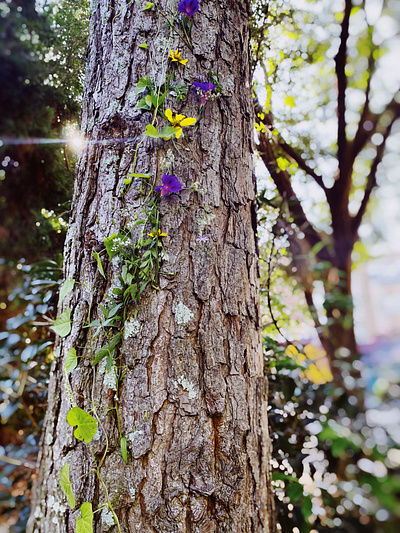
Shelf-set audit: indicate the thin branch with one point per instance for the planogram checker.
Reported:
(363, 135)
(340, 62)
(294, 156)
(283, 183)
(371, 180)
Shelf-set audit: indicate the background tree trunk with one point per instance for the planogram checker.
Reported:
(193, 398)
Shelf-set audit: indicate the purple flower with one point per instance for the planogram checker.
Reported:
(202, 238)
(204, 88)
(188, 7)
(170, 184)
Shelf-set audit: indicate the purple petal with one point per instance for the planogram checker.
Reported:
(188, 7)
(170, 183)
(205, 86)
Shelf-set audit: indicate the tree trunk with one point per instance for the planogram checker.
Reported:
(192, 399)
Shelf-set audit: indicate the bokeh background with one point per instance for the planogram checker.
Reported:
(335, 421)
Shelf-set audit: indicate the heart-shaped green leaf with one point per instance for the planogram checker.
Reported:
(85, 524)
(70, 361)
(87, 425)
(151, 131)
(67, 486)
(62, 326)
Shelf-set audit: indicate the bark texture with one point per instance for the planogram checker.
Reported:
(193, 400)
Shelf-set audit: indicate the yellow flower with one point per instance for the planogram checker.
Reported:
(179, 121)
(177, 56)
(156, 234)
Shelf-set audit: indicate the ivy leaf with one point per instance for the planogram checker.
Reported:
(99, 265)
(67, 486)
(70, 361)
(108, 243)
(124, 449)
(62, 326)
(67, 287)
(87, 425)
(85, 524)
(151, 131)
(149, 5)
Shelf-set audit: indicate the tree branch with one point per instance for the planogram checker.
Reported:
(371, 180)
(340, 62)
(294, 156)
(283, 183)
(362, 134)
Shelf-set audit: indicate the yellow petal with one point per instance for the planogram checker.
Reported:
(178, 118)
(163, 234)
(168, 114)
(178, 133)
(171, 54)
(183, 61)
(187, 121)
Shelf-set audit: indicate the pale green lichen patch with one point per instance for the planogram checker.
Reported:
(187, 386)
(110, 377)
(132, 328)
(107, 518)
(183, 314)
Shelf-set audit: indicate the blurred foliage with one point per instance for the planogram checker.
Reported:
(41, 59)
(25, 354)
(335, 465)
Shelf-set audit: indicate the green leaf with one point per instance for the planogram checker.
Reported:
(149, 101)
(142, 104)
(99, 265)
(167, 132)
(143, 46)
(108, 243)
(108, 349)
(124, 449)
(149, 5)
(67, 486)
(87, 425)
(306, 507)
(143, 84)
(127, 181)
(67, 287)
(294, 491)
(151, 131)
(62, 326)
(153, 98)
(135, 175)
(70, 361)
(85, 524)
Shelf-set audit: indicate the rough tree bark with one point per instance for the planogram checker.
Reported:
(193, 398)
